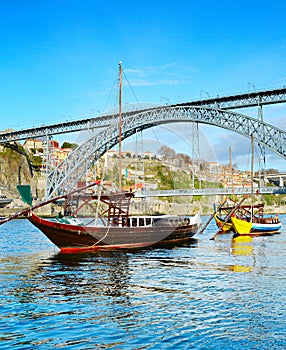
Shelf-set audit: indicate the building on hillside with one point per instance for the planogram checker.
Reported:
(53, 144)
(67, 150)
(212, 167)
(38, 148)
(33, 144)
(148, 155)
(111, 153)
(59, 155)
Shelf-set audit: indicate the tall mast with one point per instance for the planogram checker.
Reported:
(120, 127)
(252, 174)
(231, 170)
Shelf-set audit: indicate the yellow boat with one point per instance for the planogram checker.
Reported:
(241, 226)
(258, 227)
(225, 227)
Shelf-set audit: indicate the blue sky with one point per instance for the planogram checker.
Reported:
(58, 59)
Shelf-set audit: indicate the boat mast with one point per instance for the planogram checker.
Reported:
(120, 126)
(231, 170)
(252, 174)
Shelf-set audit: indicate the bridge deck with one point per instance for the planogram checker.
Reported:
(250, 99)
(210, 192)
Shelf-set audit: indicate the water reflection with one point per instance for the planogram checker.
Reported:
(242, 246)
(167, 298)
(101, 273)
(77, 276)
(89, 277)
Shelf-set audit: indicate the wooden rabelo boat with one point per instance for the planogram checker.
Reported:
(258, 226)
(250, 219)
(222, 225)
(116, 231)
(244, 212)
(114, 228)
(109, 227)
(246, 219)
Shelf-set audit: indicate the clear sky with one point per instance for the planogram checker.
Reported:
(59, 59)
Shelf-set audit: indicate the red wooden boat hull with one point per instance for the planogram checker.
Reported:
(73, 238)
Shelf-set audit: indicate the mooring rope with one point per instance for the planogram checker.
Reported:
(96, 243)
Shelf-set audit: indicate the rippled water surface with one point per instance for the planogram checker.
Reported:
(221, 294)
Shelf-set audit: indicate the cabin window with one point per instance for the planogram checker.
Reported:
(134, 222)
(148, 221)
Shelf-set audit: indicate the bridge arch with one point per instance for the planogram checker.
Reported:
(68, 173)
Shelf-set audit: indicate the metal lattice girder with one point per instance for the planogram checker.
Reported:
(60, 128)
(82, 158)
(67, 174)
(251, 99)
(227, 102)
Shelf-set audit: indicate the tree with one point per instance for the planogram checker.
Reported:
(185, 158)
(37, 162)
(167, 152)
(272, 171)
(69, 145)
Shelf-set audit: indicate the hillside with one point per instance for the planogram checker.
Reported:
(16, 169)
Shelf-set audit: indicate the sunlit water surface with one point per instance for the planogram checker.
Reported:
(221, 294)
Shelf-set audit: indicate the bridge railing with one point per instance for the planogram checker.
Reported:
(209, 192)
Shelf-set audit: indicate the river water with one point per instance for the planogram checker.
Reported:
(221, 294)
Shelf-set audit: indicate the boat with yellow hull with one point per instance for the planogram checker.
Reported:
(245, 219)
(225, 227)
(266, 226)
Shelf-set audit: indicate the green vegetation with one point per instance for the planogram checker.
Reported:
(165, 178)
(37, 162)
(274, 199)
(69, 145)
(17, 165)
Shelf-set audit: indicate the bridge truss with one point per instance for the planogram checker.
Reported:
(73, 168)
(259, 98)
(211, 111)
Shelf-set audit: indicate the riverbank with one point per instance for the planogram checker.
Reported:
(204, 206)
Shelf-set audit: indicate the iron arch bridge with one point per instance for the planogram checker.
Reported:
(73, 168)
(244, 100)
